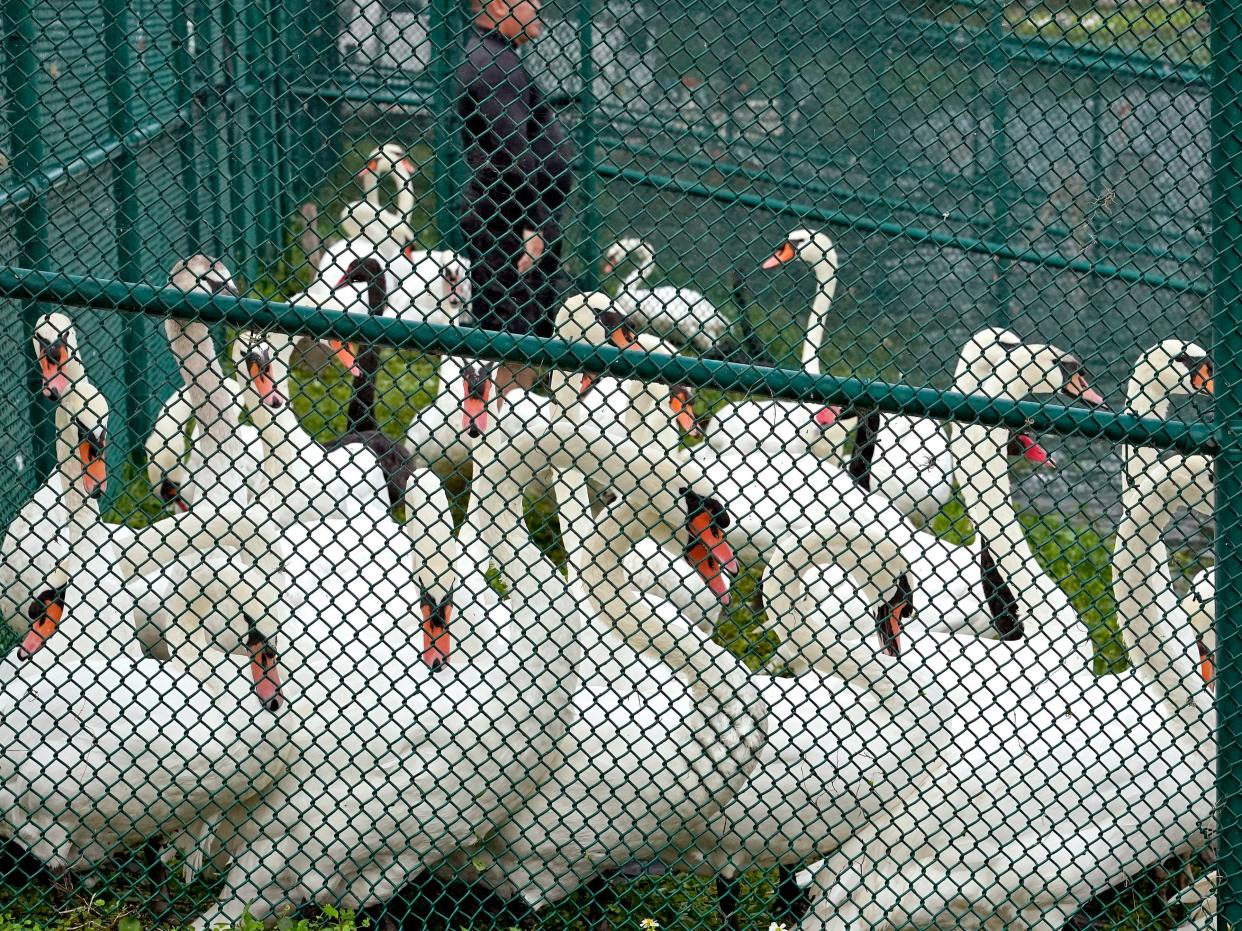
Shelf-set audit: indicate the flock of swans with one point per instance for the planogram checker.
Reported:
(281, 682)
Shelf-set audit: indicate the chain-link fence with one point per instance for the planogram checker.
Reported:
(625, 465)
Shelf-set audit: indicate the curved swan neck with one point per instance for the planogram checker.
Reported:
(1145, 397)
(825, 269)
(1144, 609)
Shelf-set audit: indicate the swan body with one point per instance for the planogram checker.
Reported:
(412, 781)
(365, 219)
(680, 313)
(1040, 735)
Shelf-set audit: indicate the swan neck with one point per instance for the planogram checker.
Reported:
(1143, 399)
(1140, 568)
(817, 324)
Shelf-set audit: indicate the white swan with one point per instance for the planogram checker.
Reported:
(644, 759)
(679, 313)
(103, 748)
(956, 588)
(221, 475)
(432, 285)
(417, 758)
(314, 482)
(365, 219)
(1043, 610)
(33, 544)
(788, 426)
(1166, 370)
(1060, 784)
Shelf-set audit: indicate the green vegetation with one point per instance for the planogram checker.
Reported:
(1175, 31)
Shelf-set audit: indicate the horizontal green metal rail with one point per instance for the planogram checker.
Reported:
(790, 384)
(616, 140)
(1108, 64)
(974, 244)
(143, 134)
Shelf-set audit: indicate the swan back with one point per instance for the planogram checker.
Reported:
(626, 248)
(432, 285)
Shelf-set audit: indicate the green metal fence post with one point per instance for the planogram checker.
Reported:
(183, 66)
(211, 69)
(281, 29)
(325, 62)
(257, 89)
(21, 76)
(999, 206)
(588, 140)
(1226, 19)
(240, 124)
(444, 41)
(126, 218)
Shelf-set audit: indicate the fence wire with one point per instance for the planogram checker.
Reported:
(617, 465)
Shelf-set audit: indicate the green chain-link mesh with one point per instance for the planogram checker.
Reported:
(619, 465)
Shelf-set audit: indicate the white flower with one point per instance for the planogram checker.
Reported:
(649, 924)
(775, 927)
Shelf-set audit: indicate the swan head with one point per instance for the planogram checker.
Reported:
(477, 383)
(88, 411)
(623, 249)
(264, 667)
(45, 611)
(166, 471)
(591, 317)
(436, 617)
(996, 363)
(1173, 367)
(389, 157)
(256, 363)
(446, 275)
(1023, 446)
(681, 405)
(56, 348)
(813, 247)
(706, 549)
(363, 270)
(202, 273)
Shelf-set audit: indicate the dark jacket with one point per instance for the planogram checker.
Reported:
(518, 154)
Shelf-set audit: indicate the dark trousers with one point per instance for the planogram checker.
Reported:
(503, 299)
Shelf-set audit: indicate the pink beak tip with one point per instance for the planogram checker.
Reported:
(827, 416)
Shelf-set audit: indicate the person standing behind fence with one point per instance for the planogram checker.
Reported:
(519, 161)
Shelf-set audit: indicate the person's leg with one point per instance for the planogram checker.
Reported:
(538, 297)
(499, 294)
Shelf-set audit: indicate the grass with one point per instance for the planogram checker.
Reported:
(116, 898)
